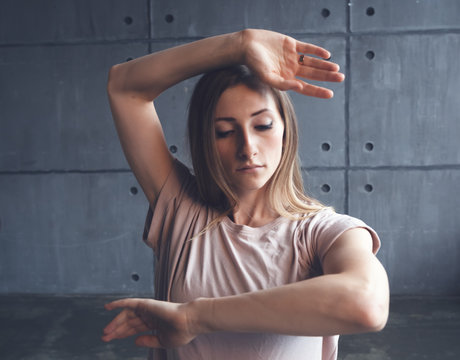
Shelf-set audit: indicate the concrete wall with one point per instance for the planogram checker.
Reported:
(385, 149)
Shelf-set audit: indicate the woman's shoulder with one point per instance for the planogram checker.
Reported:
(180, 183)
(326, 225)
(328, 221)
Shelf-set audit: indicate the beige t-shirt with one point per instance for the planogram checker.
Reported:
(232, 259)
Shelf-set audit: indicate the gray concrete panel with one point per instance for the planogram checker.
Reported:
(404, 100)
(389, 15)
(178, 18)
(415, 213)
(30, 21)
(322, 122)
(73, 233)
(54, 110)
(327, 186)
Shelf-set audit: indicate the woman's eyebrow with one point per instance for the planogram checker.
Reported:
(260, 112)
(233, 119)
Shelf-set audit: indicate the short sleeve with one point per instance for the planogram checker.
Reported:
(327, 226)
(161, 212)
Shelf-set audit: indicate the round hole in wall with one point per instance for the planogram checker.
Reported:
(325, 146)
(368, 187)
(370, 54)
(325, 13)
(369, 146)
(133, 190)
(135, 277)
(169, 18)
(173, 149)
(128, 20)
(370, 11)
(325, 188)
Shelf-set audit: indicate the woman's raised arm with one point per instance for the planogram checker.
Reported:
(134, 85)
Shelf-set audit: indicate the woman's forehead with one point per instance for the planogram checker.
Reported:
(244, 101)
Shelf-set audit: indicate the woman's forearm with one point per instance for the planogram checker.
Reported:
(325, 305)
(150, 75)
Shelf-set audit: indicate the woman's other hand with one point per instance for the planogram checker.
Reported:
(170, 323)
(275, 59)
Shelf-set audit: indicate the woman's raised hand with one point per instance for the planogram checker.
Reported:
(275, 59)
(169, 322)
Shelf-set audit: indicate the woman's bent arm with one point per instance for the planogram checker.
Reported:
(133, 85)
(351, 297)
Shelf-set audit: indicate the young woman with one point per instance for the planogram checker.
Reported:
(248, 267)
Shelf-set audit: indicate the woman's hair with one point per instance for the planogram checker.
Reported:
(285, 187)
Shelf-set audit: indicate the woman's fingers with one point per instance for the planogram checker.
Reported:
(129, 328)
(117, 321)
(307, 48)
(124, 332)
(122, 303)
(168, 320)
(126, 323)
(281, 83)
(315, 91)
(300, 86)
(319, 64)
(307, 72)
(150, 341)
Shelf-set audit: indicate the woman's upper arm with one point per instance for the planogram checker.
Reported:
(352, 252)
(351, 255)
(141, 137)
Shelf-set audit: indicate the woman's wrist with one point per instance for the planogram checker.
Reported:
(200, 314)
(241, 40)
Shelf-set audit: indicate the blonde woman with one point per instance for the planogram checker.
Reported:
(248, 266)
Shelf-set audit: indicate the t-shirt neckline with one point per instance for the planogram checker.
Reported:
(249, 229)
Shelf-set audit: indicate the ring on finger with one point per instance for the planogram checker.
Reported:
(301, 59)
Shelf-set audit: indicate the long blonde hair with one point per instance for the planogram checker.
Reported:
(285, 187)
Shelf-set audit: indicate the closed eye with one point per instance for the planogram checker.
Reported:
(223, 134)
(264, 127)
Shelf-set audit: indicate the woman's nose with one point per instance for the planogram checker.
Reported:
(247, 147)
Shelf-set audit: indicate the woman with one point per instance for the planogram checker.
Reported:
(248, 267)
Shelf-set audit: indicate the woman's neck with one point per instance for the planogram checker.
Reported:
(253, 210)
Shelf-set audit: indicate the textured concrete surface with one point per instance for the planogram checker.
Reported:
(398, 15)
(90, 239)
(327, 186)
(29, 21)
(54, 109)
(418, 329)
(178, 18)
(404, 101)
(69, 221)
(65, 328)
(421, 239)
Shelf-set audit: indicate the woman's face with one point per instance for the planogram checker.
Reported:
(249, 137)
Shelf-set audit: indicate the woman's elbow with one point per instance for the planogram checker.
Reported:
(374, 318)
(113, 81)
(372, 312)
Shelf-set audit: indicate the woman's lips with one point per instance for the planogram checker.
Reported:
(249, 168)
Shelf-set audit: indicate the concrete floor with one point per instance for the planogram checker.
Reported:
(64, 328)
